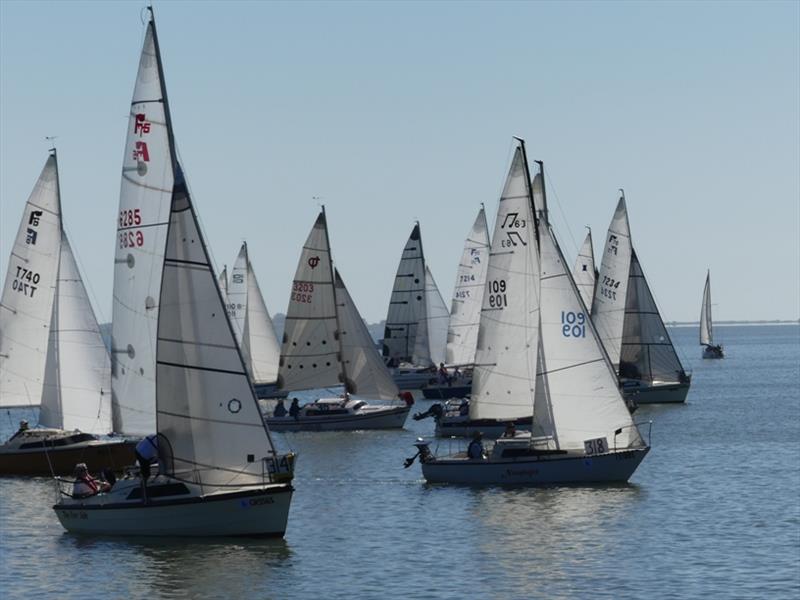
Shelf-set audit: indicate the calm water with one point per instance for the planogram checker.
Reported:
(713, 511)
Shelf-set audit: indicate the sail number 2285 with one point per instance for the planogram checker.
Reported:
(497, 293)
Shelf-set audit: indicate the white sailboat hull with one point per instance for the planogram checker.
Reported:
(614, 467)
(257, 512)
(413, 379)
(372, 417)
(658, 393)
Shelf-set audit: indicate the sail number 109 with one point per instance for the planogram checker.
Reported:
(573, 324)
(497, 293)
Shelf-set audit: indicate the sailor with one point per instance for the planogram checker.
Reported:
(511, 430)
(146, 455)
(85, 485)
(280, 409)
(475, 448)
(294, 408)
(444, 376)
(23, 427)
(406, 397)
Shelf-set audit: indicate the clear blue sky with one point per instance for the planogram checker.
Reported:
(392, 112)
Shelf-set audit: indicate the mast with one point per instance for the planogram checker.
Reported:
(338, 335)
(530, 189)
(54, 320)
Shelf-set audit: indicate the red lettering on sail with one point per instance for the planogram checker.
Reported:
(140, 152)
(141, 125)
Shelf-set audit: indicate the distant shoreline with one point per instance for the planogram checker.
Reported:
(765, 322)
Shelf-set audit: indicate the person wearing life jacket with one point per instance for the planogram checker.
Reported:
(406, 397)
(85, 485)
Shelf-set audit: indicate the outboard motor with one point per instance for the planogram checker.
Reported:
(423, 451)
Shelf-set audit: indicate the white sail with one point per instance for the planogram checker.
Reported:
(367, 375)
(209, 423)
(465, 310)
(706, 335)
(584, 272)
(252, 322)
(210, 427)
(407, 306)
(77, 390)
(431, 342)
(27, 302)
(148, 179)
(583, 398)
(223, 283)
(608, 308)
(508, 337)
(310, 349)
(647, 351)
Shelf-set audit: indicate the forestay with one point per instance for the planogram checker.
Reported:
(210, 427)
(310, 349)
(431, 341)
(27, 302)
(608, 308)
(77, 389)
(367, 375)
(647, 351)
(148, 178)
(706, 335)
(465, 310)
(508, 335)
(407, 306)
(252, 322)
(584, 272)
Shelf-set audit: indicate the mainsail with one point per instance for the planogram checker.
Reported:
(465, 311)
(208, 420)
(26, 307)
(508, 335)
(252, 322)
(311, 348)
(584, 273)
(149, 182)
(407, 306)
(608, 308)
(706, 334)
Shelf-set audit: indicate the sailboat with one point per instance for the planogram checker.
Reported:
(585, 273)
(326, 343)
(630, 325)
(710, 349)
(51, 353)
(253, 326)
(415, 335)
(219, 472)
(538, 351)
(465, 308)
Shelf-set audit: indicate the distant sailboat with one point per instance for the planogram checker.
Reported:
(465, 310)
(253, 326)
(533, 315)
(219, 472)
(415, 335)
(585, 273)
(51, 353)
(710, 349)
(326, 344)
(630, 325)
